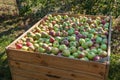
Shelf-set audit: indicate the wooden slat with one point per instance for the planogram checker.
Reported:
(58, 62)
(18, 77)
(54, 71)
(35, 75)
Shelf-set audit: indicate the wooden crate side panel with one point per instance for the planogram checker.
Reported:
(35, 75)
(58, 62)
(18, 77)
(54, 71)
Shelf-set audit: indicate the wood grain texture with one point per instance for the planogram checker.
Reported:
(53, 71)
(18, 77)
(58, 62)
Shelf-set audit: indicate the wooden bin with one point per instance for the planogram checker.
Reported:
(35, 66)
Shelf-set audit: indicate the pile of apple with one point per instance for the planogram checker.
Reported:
(82, 37)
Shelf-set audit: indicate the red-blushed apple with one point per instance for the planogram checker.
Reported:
(80, 48)
(53, 22)
(81, 55)
(103, 22)
(96, 58)
(66, 42)
(64, 33)
(45, 46)
(38, 29)
(76, 32)
(52, 33)
(31, 48)
(58, 33)
(52, 39)
(29, 44)
(18, 45)
(29, 39)
(59, 54)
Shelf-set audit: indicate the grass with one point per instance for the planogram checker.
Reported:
(12, 26)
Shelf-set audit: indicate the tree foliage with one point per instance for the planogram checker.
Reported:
(93, 7)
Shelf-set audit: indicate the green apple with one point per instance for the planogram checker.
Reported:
(103, 54)
(98, 39)
(66, 53)
(106, 25)
(89, 43)
(55, 50)
(72, 43)
(75, 54)
(62, 47)
(71, 56)
(40, 44)
(92, 31)
(73, 49)
(99, 51)
(31, 34)
(41, 50)
(72, 38)
(91, 55)
(85, 33)
(84, 59)
(24, 48)
(81, 41)
(56, 44)
(103, 46)
(36, 45)
(71, 31)
(58, 38)
(38, 29)
(84, 45)
(104, 40)
(90, 36)
(94, 50)
(44, 34)
(87, 39)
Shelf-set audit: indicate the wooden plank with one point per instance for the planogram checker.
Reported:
(54, 71)
(35, 75)
(18, 77)
(58, 62)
